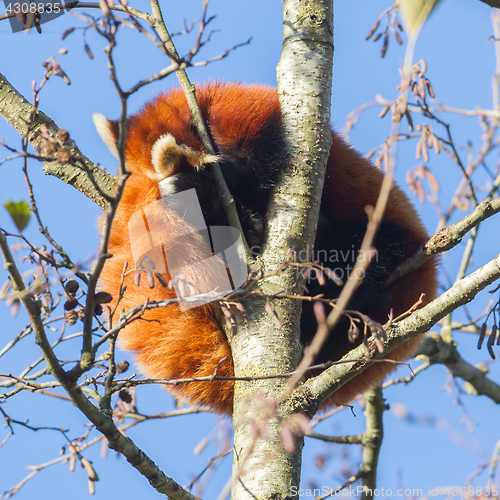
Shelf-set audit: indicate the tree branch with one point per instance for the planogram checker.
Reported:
(16, 110)
(447, 238)
(372, 439)
(90, 5)
(439, 351)
(317, 389)
(157, 22)
(104, 424)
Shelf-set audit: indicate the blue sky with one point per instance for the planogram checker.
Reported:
(460, 64)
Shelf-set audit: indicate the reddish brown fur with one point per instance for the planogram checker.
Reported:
(172, 344)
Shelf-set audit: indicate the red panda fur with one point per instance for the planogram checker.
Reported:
(172, 344)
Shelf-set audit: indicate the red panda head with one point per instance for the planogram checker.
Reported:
(167, 157)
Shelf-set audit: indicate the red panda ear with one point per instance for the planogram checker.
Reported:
(168, 157)
(105, 129)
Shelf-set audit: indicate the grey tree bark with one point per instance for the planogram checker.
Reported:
(263, 468)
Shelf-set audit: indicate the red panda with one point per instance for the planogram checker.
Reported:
(245, 124)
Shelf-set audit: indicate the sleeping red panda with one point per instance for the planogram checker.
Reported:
(245, 124)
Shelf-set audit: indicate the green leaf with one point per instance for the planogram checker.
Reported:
(20, 213)
(415, 12)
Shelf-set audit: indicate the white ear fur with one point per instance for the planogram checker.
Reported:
(166, 153)
(103, 128)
